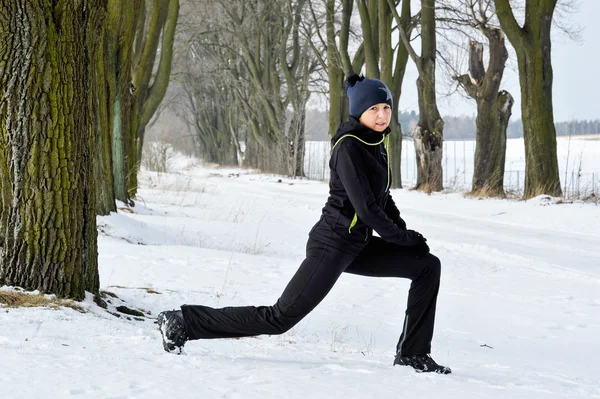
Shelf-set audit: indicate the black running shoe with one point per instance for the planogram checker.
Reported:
(422, 364)
(172, 328)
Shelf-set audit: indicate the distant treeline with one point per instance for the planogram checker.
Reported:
(455, 127)
(463, 127)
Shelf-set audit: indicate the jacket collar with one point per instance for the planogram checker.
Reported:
(354, 127)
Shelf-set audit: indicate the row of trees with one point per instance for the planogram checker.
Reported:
(79, 82)
(455, 127)
(464, 127)
(81, 79)
(244, 79)
(578, 127)
(250, 66)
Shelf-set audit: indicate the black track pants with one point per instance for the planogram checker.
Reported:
(311, 283)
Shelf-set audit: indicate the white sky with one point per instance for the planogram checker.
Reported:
(576, 88)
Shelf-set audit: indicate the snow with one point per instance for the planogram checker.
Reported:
(518, 310)
(577, 156)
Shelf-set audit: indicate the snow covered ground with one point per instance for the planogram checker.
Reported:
(577, 156)
(518, 310)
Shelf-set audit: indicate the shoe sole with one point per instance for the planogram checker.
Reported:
(441, 370)
(167, 346)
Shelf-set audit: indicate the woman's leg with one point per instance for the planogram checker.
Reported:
(311, 283)
(382, 259)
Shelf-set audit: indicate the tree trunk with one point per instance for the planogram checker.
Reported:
(533, 47)
(47, 146)
(148, 96)
(130, 51)
(336, 99)
(539, 132)
(393, 79)
(120, 35)
(105, 194)
(490, 150)
(376, 22)
(493, 113)
(335, 73)
(369, 18)
(430, 128)
(338, 63)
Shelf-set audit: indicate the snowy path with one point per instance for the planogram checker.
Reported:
(518, 311)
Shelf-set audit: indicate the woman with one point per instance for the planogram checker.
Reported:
(341, 241)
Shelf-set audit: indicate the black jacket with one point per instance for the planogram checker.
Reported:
(359, 198)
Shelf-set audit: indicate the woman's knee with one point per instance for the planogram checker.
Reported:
(434, 265)
(286, 317)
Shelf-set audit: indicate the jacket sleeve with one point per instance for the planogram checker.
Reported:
(394, 213)
(361, 197)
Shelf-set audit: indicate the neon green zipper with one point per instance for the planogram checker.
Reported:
(385, 141)
(354, 220)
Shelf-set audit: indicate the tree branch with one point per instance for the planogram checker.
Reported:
(465, 82)
(411, 51)
(509, 24)
(476, 68)
(159, 87)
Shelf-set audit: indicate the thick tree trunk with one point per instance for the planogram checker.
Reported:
(428, 136)
(493, 113)
(539, 132)
(130, 52)
(338, 63)
(47, 146)
(121, 147)
(533, 47)
(336, 99)
(490, 151)
(394, 81)
(105, 194)
(429, 133)
(118, 52)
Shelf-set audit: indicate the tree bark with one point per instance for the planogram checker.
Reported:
(335, 69)
(105, 193)
(429, 133)
(149, 96)
(490, 152)
(394, 80)
(493, 113)
(47, 145)
(119, 45)
(130, 48)
(533, 47)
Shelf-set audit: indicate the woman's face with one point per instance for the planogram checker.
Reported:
(377, 117)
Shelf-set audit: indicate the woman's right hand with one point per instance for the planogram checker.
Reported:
(420, 249)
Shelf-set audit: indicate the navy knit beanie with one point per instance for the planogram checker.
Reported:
(363, 93)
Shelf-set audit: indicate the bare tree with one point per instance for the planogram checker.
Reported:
(429, 132)
(333, 36)
(207, 76)
(385, 62)
(532, 44)
(266, 65)
(133, 78)
(374, 50)
(494, 107)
